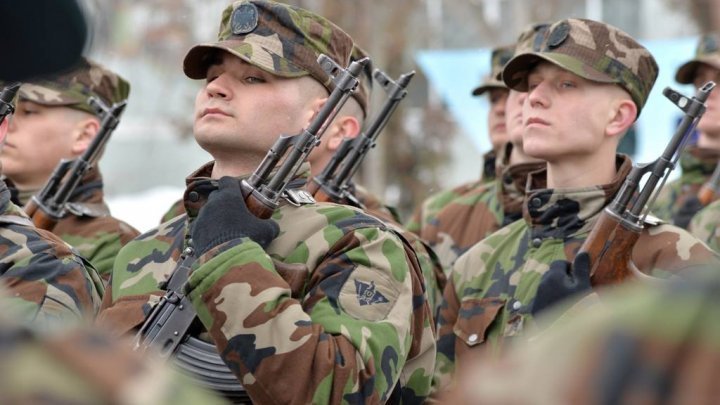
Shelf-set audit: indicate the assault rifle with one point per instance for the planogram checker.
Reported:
(172, 324)
(333, 183)
(611, 240)
(49, 205)
(262, 191)
(7, 95)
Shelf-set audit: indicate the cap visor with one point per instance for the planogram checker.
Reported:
(487, 86)
(198, 57)
(686, 72)
(516, 71)
(46, 95)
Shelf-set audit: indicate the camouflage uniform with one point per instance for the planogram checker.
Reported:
(334, 309)
(72, 368)
(49, 284)
(704, 225)
(426, 213)
(431, 269)
(477, 212)
(429, 262)
(697, 166)
(490, 292)
(311, 283)
(88, 225)
(628, 348)
(491, 288)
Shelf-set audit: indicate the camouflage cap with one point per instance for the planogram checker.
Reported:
(278, 38)
(74, 88)
(530, 39)
(592, 50)
(499, 57)
(706, 53)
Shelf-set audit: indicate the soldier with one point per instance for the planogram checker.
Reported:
(586, 86)
(347, 125)
(677, 200)
(475, 212)
(627, 348)
(54, 121)
(320, 304)
(497, 95)
(49, 285)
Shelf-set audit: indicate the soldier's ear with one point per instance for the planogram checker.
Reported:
(344, 126)
(84, 133)
(621, 117)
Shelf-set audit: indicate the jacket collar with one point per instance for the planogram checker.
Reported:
(564, 213)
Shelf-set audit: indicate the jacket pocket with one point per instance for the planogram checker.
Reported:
(475, 318)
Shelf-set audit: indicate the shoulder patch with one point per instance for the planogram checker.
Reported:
(368, 294)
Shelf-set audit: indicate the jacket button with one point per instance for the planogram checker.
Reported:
(537, 242)
(473, 338)
(516, 305)
(194, 196)
(535, 202)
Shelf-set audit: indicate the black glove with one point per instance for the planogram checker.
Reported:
(225, 217)
(686, 213)
(559, 282)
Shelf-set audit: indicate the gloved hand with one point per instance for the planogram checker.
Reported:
(686, 212)
(559, 282)
(225, 217)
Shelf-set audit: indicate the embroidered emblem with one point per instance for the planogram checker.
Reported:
(367, 294)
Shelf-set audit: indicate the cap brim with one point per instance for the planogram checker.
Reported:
(516, 71)
(686, 73)
(487, 86)
(198, 58)
(47, 95)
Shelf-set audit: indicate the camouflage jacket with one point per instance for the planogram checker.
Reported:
(474, 213)
(48, 283)
(89, 227)
(697, 166)
(336, 303)
(429, 262)
(428, 209)
(628, 348)
(73, 368)
(491, 289)
(704, 225)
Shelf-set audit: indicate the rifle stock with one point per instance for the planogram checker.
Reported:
(609, 246)
(617, 230)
